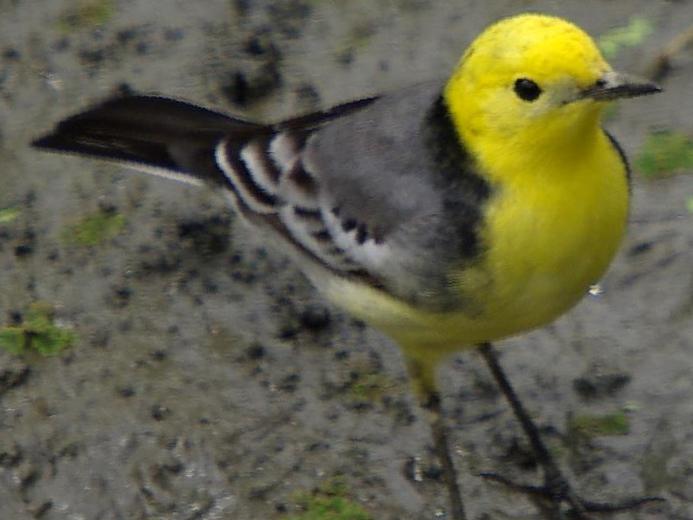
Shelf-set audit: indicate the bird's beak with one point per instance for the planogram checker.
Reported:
(615, 85)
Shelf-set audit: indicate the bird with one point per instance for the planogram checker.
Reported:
(448, 214)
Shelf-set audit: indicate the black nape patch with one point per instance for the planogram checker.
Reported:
(464, 191)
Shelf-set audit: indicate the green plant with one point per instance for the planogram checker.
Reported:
(8, 215)
(96, 228)
(87, 13)
(665, 153)
(632, 34)
(329, 502)
(607, 425)
(37, 332)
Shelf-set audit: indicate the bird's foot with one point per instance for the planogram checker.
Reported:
(556, 492)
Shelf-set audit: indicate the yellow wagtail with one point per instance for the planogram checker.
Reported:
(448, 214)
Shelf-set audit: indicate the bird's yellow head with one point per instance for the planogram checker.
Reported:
(533, 79)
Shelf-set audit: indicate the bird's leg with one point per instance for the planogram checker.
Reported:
(554, 482)
(556, 488)
(423, 379)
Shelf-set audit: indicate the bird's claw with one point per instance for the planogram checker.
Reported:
(559, 492)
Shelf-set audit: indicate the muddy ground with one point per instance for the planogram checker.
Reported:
(208, 380)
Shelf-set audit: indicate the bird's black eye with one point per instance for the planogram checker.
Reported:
(526, 89)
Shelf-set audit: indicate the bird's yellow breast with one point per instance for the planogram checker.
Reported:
(548, 233)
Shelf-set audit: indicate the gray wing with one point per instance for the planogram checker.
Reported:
(398, 194)
(386, 195)
(371, 190)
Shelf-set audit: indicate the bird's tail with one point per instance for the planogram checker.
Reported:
(157, 135)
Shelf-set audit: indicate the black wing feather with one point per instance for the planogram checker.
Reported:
(152, 131)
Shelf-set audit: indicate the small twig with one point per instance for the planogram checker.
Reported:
(661, 66)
